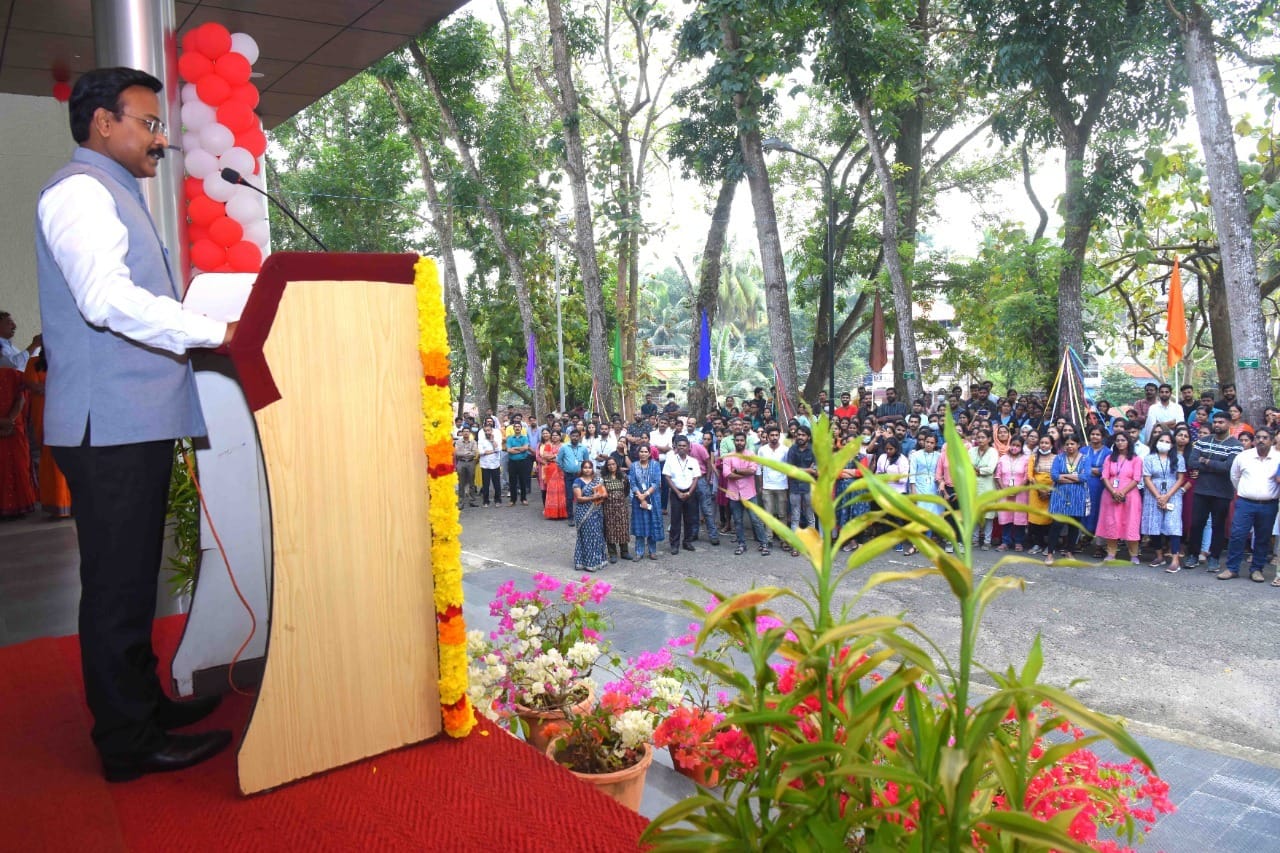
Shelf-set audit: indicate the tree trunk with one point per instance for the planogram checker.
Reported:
(906, 337)
(708, 295)
(1231, 215)
(1077, 222)
(515, 268)
(442, 220)
(584, 229)
(1224, 348)
(777, 302)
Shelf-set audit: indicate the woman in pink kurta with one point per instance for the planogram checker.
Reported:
(1121, 514)
(1011, 471)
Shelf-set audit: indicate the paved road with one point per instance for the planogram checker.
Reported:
(1185, 657)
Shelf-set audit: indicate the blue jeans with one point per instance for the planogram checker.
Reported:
(801, 512)
(1256, 516)
(706, 496)
(739, 524)
(1012, 535)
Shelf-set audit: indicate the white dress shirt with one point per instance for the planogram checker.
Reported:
(1254, 476)
(11, 356)
(1160, 413)
(682, 471)
(89, 242)
(775, 480)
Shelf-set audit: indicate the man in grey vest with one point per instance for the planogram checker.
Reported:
(119, 392)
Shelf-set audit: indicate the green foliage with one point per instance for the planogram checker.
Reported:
(182, 518)
(1118, 388)
(828, 751)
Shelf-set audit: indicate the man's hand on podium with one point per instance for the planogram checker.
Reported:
(231, 332)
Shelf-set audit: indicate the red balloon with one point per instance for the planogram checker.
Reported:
(225, 268)
(62, 91)
(254, 141)
(245, 257)
(246, 94)
(194, 66)
(213, 90)
(225, 231)
(190, 40)
(214, 40)
(196, 233)
(236, 115)
(192, 187)
(208, 255)
(202, 211)
(233, 68)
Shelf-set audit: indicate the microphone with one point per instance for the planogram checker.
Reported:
(231, 176)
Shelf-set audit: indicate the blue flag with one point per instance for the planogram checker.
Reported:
(531, 363)
(704, 349)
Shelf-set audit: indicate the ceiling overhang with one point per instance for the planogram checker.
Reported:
(308, 47)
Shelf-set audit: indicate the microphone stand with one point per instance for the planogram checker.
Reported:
(231, 176)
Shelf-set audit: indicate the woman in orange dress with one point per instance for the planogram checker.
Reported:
(551, 478)
(17, 493)
(51, 486)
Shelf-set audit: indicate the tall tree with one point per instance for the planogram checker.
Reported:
(1099, 78)
(498, 228)
(388, 73)
(1230, 209)
(564, 96)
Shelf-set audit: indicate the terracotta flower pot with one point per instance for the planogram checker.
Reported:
(690, 764)
(537, 721)
(625, 785)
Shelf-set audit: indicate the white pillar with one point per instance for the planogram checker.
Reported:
(142, 34)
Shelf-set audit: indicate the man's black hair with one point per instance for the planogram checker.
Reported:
(101, 87)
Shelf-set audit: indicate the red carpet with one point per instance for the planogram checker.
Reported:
(487, 792)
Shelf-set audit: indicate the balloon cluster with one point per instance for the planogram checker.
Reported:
(227, 223)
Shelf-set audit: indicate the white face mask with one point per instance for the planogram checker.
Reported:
(1163, 446)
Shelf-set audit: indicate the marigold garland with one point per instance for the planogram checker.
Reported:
(442, 489)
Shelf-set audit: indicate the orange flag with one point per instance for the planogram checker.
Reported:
(1177, 316)
(879, 355)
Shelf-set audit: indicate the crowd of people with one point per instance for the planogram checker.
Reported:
(29, 476)
(1178, 482)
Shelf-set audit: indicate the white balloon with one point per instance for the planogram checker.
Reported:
(245, 206)
(200, 163)
(217, 138)
(197, 115)
(189, 93)
(238, 159)
(258, 232)
(244, 44)
(218, 189)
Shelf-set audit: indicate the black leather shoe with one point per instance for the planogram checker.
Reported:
(178, 753)
(688, 546)
(175, 715)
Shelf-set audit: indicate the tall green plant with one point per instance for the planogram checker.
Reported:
(856, 752)
(182, 518)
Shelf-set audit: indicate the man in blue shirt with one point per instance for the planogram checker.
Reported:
(570, 459)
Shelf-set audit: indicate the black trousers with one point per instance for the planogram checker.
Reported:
(119, 496)
(684, 518)
(518, 477)
(1203, 506)
(491, 477)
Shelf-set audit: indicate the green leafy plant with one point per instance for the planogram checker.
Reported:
(869, 737)
(182, 518)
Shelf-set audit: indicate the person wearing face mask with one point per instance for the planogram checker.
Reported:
(490, 448)
(1210, 468)
(1011, 472)
(1163, 473)
(1039, 473)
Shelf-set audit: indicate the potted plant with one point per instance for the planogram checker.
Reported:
(536, 665)
(869, 735)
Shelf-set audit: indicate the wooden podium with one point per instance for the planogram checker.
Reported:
(327, 355)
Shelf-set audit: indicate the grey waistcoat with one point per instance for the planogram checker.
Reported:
(126, 391)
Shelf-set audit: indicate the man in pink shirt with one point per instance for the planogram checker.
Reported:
(739, 478)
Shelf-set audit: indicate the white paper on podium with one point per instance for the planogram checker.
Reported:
(219, 295)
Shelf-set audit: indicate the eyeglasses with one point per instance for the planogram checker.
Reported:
(154, 125)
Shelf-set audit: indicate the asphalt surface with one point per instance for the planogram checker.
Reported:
(1186, 658)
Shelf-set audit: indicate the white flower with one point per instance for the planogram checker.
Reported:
(667, 689)
(633, 728)
(583, 654)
